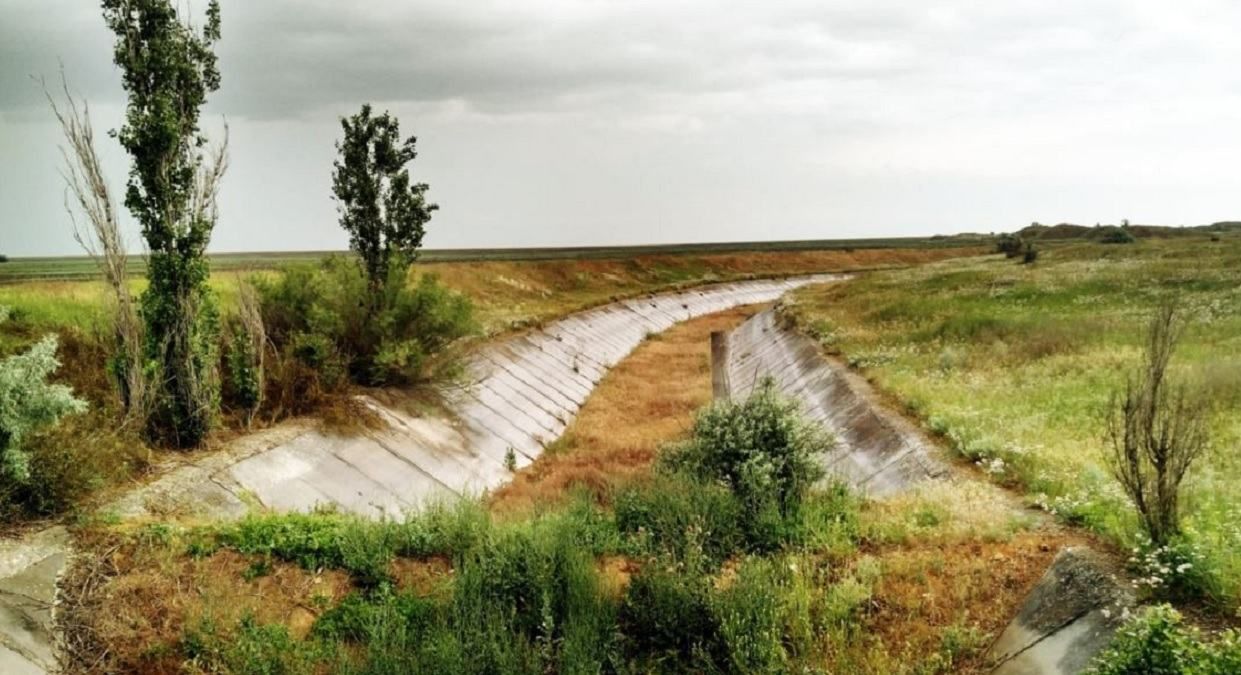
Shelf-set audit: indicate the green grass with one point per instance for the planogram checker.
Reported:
(70, 268)
(1014, 365)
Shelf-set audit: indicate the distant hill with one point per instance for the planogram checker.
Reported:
(1063, 231)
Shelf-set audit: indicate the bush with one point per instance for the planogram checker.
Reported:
(676, 517)
(765, 453)
(1157, 429)
(1030, 254)
(3, 258)
(27, 404)
(1115, 235)
(667, 614)
(1011, 245)
(1158, 643)
(326, 319)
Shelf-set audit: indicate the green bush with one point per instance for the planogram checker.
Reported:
(667, 616)
(1011, 245)
(1114, 235)
(765, 453)
(327, 319)
(243, 369)
(27, 404)
(1157, 642)
(750, 617)
(675, 516)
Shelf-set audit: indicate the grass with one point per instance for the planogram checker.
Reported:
(507, 293)
(588, 563)
(94, 452)
(1014, 364)
(648, 399)
(69, 268)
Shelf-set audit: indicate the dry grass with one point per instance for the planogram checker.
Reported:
(648, 399)
(516, 293)
(946, 602)
(127, 606)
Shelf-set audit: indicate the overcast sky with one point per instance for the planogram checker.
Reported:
(559, 122)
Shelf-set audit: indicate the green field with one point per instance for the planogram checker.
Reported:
(1014, 366)
(68, 268)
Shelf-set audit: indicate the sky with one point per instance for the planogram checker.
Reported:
(598, 122)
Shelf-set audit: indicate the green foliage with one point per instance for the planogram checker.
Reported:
(29, 403)
(1011, 245)
(167, 71)
(674, 516)
(243, 369)
(1157, 642)
(384, 214)
(1114, 235)
(323, 319)
(667, 616)
(765, 453)
(1030, 254)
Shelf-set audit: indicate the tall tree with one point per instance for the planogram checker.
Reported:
(383, 212)
(168, 68)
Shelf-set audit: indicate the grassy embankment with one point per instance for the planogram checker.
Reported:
(1014, 365)
(92, 451)
(634, 575)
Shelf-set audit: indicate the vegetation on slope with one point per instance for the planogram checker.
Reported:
(1014, 365)
(648, 572)
(92, 451)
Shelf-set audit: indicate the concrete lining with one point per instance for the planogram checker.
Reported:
(878, 452)
(1075, 608)
(521, 395)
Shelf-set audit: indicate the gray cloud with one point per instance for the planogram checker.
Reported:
(572, 121)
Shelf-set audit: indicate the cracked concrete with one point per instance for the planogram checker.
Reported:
(1067, 619)
(29, 571)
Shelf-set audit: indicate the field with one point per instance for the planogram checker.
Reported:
(504, 291)
(1014, 365)
(76, 268)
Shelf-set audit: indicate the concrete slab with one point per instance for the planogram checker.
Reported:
(30, 568)
(1067, 619)
(878, 452)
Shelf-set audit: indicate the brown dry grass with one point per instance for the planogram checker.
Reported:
(928, 590)
(515, 293)
(127, 606)
(648, 399)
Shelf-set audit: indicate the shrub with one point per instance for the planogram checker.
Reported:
(28, 403)
(750, 619)
(1157, 642)
(667, 614)
(1115, 235)
(765, 453)
(677, 517)
(1157, 428)
(1011, 245)
(1030, 254)
(244, 351)
(3, 258)
(326, 319)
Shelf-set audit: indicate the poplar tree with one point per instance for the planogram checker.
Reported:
(168, 68)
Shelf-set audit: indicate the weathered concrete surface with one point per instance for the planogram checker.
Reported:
(878, 452)
(1067, 619)
(29, 570)
(521, 394)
